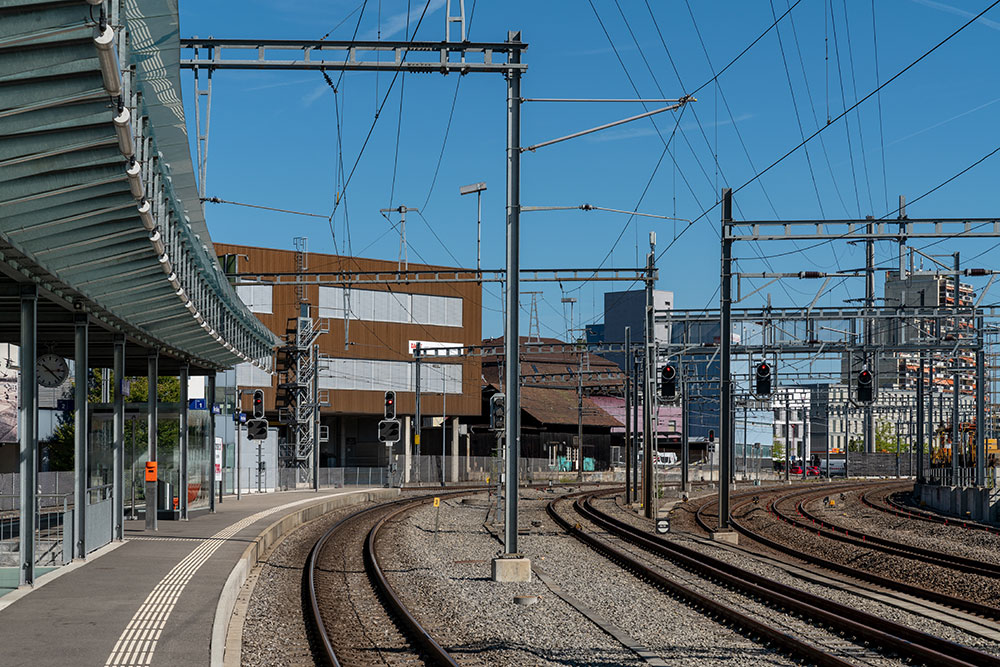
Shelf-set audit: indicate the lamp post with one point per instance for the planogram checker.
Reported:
(478, 189)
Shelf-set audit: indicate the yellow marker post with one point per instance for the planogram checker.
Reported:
(437, 517)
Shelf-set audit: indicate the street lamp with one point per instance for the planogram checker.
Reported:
(478, 189)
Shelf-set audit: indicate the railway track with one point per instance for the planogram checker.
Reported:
(834, 531)
(893, 503)
(831, 634)
(747, 501)
(357, 618)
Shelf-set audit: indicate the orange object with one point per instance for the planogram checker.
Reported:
(150, 471)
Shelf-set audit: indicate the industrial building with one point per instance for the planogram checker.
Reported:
(365, 337)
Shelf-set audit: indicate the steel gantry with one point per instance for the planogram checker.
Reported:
(808, 330)
(446, 57)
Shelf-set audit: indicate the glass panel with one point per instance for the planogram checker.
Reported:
(199, 451)
(421, 304)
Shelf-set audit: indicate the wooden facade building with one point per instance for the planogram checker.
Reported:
(366, 348)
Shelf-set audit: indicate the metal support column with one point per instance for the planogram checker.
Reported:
(416, 413)
(634, 360)
(725, 340)
(649, 440)
(454, 450)
(920, 422)
(628, 419)
(316, 421)
(210, 401)
(117, 483)
(182, 380)
(579, 420)
(685, 431)
(869, 340)
(829, 425)
(28, 424)
(956, 437)
(237, 408)
(81, 433)
(788, 436)
(980, 414)
(152, 374)
(511, 334)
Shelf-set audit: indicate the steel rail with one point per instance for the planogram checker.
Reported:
(394, 605)
(895, 637)
(747, 623)
(976, 608)
(438, 654)
(900, 509)
(830, 530)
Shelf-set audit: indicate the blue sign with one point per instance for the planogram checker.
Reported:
(65, 404)
(216, 409)
(243, 418)
(196, 404)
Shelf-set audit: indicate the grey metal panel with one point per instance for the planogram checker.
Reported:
(66, 217)
(26, 232)
(99, 525)
(106, 155)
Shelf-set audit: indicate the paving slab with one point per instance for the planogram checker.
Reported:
(151, 600)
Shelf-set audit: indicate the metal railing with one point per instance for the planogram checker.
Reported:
(51, 513)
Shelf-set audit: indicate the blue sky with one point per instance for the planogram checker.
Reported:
(274, 134)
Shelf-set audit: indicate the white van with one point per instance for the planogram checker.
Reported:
(665, 458)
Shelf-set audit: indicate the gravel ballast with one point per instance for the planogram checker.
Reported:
(447, 580)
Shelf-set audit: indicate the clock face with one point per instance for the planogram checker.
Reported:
(52, 370)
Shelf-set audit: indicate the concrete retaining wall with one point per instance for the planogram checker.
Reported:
(962, 502)
(261, 546)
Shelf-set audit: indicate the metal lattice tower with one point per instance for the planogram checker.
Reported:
(298, 394)
(301, 264)
(534, 329)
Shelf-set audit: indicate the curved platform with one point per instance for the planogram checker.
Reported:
(152, 599)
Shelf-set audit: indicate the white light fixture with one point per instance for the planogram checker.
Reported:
(107, 59)
(134, 179)
(123, 128)
(146, 215)
(180, 293)
(165, 264)
(157, 242)
(172, 279)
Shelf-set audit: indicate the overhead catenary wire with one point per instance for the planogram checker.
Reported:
(843, 101)
(833, 121)
(812, 107)
(881, 126)
(217, 200)
(798, 117)
(857, 113)
(371, 129)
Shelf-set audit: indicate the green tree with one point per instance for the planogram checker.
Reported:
(61, 445)
(885, 437)
(778, 450)
(855, 445)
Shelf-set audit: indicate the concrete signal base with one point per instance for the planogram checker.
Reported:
(511, 568)
(727, 536)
